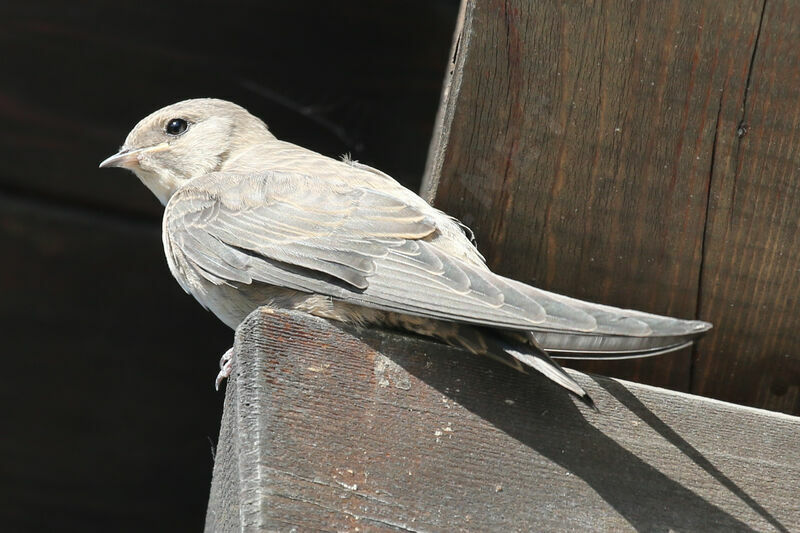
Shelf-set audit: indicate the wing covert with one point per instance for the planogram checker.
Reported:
(355, 244)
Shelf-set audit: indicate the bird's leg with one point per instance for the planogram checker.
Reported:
(224, 367)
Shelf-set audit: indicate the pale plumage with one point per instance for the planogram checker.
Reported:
(251, 220)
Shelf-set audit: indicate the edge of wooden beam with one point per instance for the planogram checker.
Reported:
(447, 103)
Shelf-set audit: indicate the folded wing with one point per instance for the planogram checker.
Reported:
(369, 248)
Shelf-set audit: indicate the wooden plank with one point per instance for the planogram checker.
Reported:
(751, 274)
(109, 413)
(333, 430)
(578, 141)
(346, 76)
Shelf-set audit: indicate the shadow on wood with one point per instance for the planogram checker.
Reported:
(332, 428)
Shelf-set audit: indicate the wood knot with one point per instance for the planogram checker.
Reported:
(741, 130)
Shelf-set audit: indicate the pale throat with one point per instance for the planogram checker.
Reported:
(162, 185)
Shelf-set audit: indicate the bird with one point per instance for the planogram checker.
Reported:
(253, 221)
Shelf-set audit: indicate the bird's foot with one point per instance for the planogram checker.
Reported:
(224, 367)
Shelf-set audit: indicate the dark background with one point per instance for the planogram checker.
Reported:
(109, 414)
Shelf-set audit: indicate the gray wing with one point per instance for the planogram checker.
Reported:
(364, 247)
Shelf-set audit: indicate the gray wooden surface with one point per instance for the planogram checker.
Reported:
(345, 430)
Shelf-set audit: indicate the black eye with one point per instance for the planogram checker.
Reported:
(176, 126)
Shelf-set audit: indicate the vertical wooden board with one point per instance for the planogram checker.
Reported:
(751, 273)
(577, 142)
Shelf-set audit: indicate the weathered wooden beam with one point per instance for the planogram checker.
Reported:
(643, 155)
(361, 430)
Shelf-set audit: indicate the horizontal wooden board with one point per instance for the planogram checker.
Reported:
(346, 430)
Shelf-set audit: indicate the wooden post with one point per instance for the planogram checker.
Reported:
(640, 154)
(344, 430)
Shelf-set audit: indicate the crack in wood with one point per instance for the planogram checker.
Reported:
(359, 517)
(742, 124)
(354, 492)
(704, 239)
(752, 63)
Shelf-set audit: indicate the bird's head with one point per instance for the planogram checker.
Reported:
(186, 140)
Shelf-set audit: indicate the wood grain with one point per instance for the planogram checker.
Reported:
(333, 430)
(751, 264)
(587, 144)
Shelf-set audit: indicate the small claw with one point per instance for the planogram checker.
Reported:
(225, 365)
(224, 373)
(226, 358)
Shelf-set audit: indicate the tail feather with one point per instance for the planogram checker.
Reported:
(525, 353)
(538, 359)
(600, 346)
(535, 350)
(620, 355)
